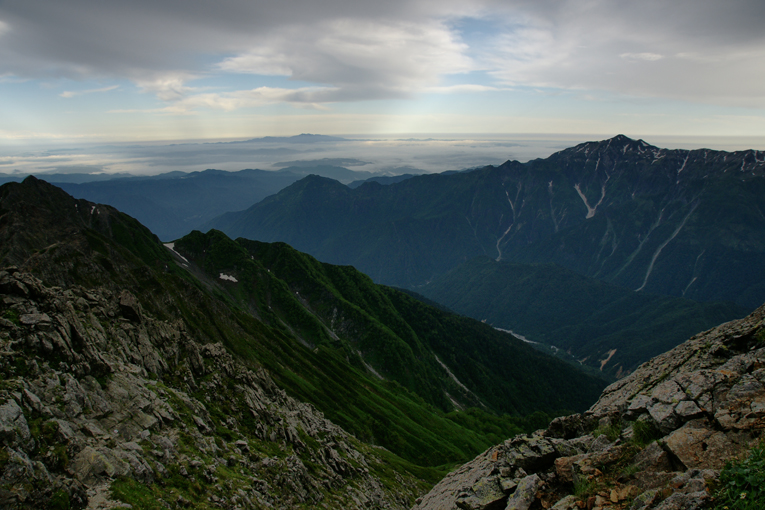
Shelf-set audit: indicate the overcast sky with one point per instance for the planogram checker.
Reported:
(101, 70)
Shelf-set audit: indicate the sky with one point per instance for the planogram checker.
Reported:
(102, 71)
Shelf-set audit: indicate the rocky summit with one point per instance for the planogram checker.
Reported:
(656, 439)
(85, 416)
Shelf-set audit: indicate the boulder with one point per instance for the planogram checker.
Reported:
(525, 493)
(13, 425)
(130, 307)
(697, 444)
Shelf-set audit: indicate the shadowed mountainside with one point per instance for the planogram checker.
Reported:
(675, 222)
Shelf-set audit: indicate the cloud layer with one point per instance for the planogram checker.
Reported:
(340, 50)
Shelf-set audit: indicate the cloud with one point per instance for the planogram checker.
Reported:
(69, 93)
(456, 89)
(358, 59)
(677, 50)
(170, 86)
(353, 50)
(642, 56)
(311, 97)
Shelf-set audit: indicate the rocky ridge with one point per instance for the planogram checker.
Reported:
(100, 402)
(656, 439)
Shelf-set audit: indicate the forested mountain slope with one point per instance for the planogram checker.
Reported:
(603, 326)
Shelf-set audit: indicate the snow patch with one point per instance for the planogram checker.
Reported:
(518, 336)
(229, 278)
(682, 167)
(171, 247)
(92, 209)
(591, 210)
(509, 227)
(456, 404)
(662, 245)
(369, 367)
(451, 375)
(688, 286)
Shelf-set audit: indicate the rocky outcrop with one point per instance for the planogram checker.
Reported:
(655, 439)
(101, 401)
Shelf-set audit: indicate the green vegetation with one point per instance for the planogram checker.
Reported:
(742, 483)
(644, 432)
(580, 315)
(4, 458)
(583, 488)
(12, 315)
(612, 431)
(145, 497)
(340, 323)
(498, 428)
(59, 501)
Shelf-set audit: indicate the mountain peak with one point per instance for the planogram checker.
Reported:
(619, 143)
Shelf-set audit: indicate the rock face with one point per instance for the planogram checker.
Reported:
(655, 439)
(96, 395)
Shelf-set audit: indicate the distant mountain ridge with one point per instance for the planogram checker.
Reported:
(301, 138)
(676, 222)
(175, 203)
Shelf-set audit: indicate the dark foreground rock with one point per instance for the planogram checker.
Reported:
(656, 439)
(98, 396)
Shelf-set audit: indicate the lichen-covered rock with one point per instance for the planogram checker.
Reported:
(524, 494)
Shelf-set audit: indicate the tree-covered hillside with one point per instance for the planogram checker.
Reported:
(607, 327)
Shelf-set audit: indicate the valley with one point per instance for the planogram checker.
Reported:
(93, 298)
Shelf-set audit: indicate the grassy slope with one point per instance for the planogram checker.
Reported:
(335, 313)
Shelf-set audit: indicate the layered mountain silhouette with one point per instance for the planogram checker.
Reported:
(175, 203)
(675, 222)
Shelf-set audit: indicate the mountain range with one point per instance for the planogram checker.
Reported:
(674, 222)
(610, 251)
(173, 204)
(221, 369)
(213, 372)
